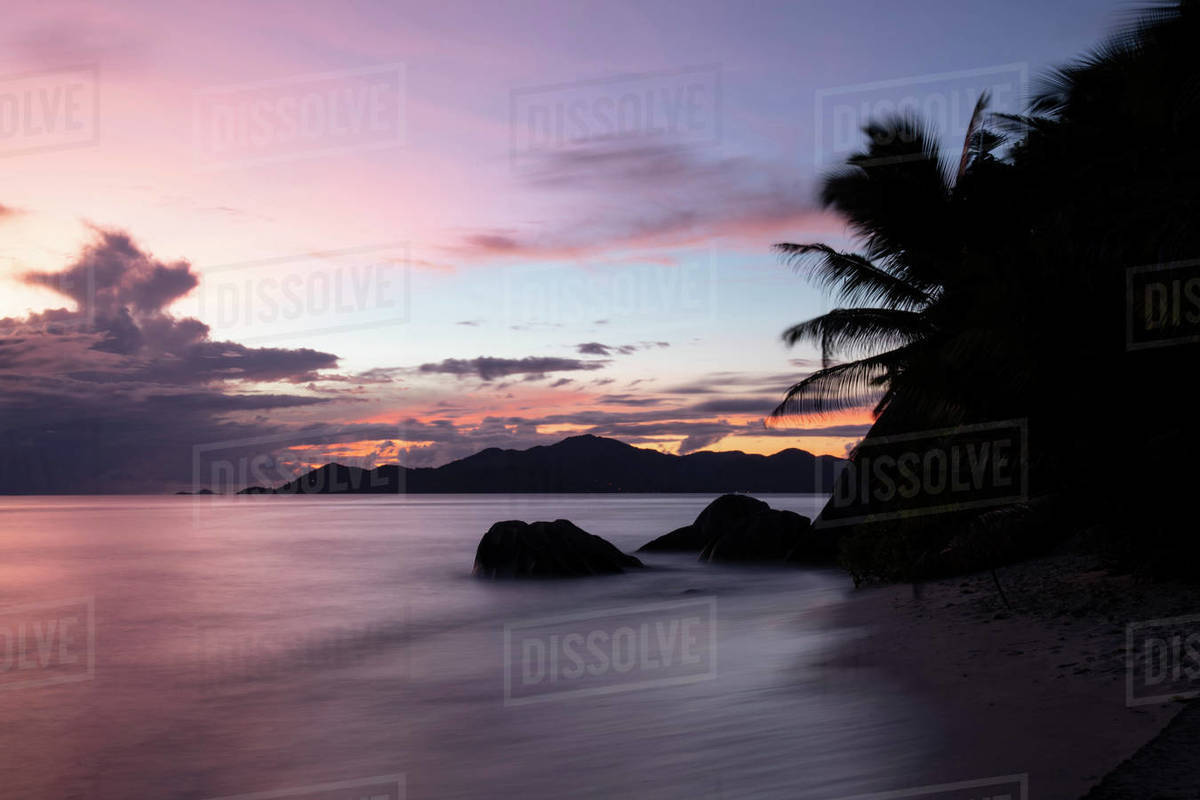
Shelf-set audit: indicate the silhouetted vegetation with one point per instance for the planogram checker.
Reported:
(993, 286)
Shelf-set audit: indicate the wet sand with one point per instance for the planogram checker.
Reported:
(1037, 688)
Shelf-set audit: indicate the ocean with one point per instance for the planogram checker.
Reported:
(338, 647)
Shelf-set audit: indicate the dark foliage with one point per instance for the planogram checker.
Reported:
(998, 291)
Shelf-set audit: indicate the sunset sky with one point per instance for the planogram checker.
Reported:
(415, 230)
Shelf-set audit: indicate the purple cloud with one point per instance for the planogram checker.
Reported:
(487, 368)
(114, 394)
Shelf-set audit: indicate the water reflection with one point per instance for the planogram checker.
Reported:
(313, 641)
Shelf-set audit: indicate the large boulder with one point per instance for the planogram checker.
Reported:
(716, 518)
(688, 539)
(768, 535)
(515, 549)
(737, 527)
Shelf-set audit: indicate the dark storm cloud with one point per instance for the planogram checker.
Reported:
(112, 275)
(487, 368)
(215, 401)
(120, 293)
(114, 394)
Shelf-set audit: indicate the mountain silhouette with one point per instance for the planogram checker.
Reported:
(579, 464)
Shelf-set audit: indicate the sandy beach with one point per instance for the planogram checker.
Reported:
(1037, 688)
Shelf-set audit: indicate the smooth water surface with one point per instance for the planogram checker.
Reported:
(257, 644)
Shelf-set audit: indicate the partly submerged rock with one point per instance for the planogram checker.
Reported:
(737, 527)
(716, 518)
(688, 539)
(768, 535)
(515, 549)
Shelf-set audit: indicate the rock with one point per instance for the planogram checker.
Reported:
(737, 527)
(688, 539)
(726, 511)
(716, 518)
(515, 549)
(769, 535)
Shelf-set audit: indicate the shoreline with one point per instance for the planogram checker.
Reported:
(1035, 689)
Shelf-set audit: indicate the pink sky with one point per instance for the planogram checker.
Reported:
(467, 274)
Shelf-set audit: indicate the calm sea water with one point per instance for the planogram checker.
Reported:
(177, 647)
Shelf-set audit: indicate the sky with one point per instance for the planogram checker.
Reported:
(236, 234)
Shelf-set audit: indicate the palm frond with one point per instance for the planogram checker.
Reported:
(849, 330)
(896, 195)
(853, 278)
(969, 143)
(1062, 86)
(839, 387)
(1021, 125)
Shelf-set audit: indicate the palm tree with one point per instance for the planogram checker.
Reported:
(997, 290)
(906, 339)
(932, 330)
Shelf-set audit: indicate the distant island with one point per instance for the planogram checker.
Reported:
(579, 464)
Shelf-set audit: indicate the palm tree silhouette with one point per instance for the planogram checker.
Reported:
(997, 290)
(906, 338)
